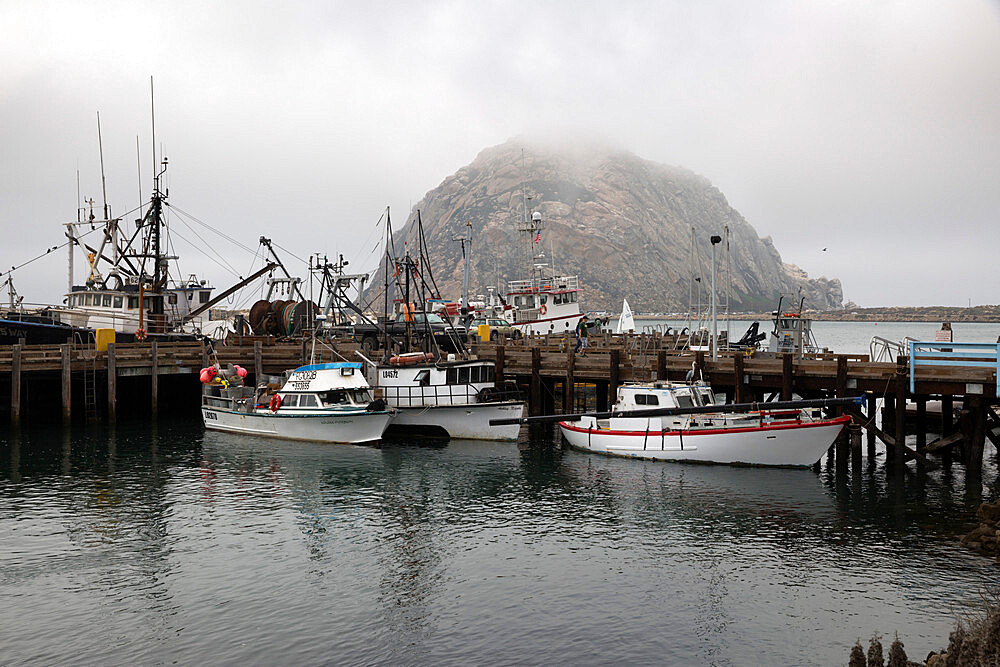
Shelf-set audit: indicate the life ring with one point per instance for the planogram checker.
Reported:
(542, 310)
(275, 403)
(140, 334)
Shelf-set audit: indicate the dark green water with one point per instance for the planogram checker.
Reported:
(171, 544)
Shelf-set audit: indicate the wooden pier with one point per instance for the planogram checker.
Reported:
(79, 380)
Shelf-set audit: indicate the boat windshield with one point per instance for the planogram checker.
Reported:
(334, 397)
(684, 400)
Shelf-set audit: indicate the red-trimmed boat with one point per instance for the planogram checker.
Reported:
(785, 438)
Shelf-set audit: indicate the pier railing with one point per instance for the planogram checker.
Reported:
(966, 355)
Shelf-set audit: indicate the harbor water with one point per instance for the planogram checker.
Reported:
(172, 544)
(160, 543)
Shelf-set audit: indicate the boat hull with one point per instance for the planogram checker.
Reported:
(470, 421)
(782, 445)
(351, 428)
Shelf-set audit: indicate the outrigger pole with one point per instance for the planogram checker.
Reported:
(693, 410)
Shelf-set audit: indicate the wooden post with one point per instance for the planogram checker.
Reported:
(840, 388)
(536, 381)
(569, 391)
(614, 375)
(854, 434)
(872, 413)
(67, 381)
(786, 376)
(921, 428)
(901, 383)
(889, 422)
(661, 365)
(738, 378)
(602, 396)
(947, 426)
(258, 361)
(15, 385)
(977, 439)
(699, 365)
(154, 378)
(498, 378)
(112, 384)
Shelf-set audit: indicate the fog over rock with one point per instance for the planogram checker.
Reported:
(622, 223)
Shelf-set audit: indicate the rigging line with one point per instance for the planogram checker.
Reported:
(289, 252)
(229, 269)
(211, 228)
(232, 268)
(75, 239)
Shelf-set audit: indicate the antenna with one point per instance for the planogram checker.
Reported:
(138, 168)
(104, 186)
(152, 120)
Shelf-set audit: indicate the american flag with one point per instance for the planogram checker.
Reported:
(538, 237)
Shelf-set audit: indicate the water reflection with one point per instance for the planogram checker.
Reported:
(186, 543)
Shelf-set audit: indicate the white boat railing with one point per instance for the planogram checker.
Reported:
(438, 394)
(883, 349)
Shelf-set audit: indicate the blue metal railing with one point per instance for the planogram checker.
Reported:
(982, 355)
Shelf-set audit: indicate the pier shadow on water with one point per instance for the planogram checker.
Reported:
(158, 543)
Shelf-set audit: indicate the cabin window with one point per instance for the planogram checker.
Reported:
(452, 376)
(647, 399)
(543, 298)
(203, 297)
(118, 302)
(423, 378)
(463, 375)
(684, 401)
(172, 298)
(572, 297)
(706, 397)
(107, 300)
(133, 302)
(307, 401)
(290, 400)
(557, 299)
(362, 396)
(334, 397)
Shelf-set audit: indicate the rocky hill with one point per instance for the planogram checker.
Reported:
(623, 224)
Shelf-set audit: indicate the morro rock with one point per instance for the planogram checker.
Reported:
(623, 224)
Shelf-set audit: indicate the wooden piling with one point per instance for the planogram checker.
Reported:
(258, 361)
(947, 426)
(661, 365)
(498, 378)
(921, 427)
(536, 381)
(15, 385)
(569, 390)
(901, 382)
(66, 351)
(602, 396)
(786, 377)
(154, 378)
(869, 433)
(614, 374)
(738, 378)
(112, 384)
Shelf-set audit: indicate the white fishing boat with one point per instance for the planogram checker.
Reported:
(545, 302)
(779, 437)
(454, 399)
(329, 402)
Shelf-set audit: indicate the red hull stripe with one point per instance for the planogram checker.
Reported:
(713, 431)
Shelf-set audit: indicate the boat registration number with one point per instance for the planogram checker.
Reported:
(394, 373)
(211, 415)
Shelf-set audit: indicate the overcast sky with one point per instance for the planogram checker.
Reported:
(868, 128)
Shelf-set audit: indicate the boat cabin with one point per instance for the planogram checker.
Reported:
(649, 396)
(330, 385)
(434, 384)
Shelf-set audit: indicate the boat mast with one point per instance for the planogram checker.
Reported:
(715, 323)
(466, 252)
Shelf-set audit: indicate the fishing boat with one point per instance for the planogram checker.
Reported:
(453, 398)
(700, 430)
(436, 387)
(329, 402)
(545, 301)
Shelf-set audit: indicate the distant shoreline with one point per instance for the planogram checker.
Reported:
(981, 314)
